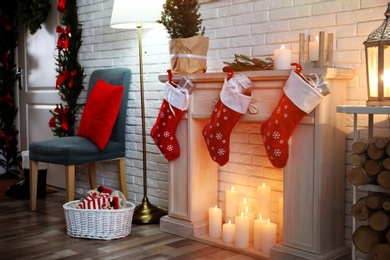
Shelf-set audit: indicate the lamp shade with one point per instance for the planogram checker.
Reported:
(128, 14)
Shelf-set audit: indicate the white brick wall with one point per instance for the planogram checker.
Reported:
(251, 27)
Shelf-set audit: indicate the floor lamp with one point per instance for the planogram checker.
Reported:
(131, 14)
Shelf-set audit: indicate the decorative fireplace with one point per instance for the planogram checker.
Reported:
(313, 179)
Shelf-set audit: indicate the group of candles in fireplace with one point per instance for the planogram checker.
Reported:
(241, 227)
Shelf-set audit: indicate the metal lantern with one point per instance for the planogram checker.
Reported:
(377, 48)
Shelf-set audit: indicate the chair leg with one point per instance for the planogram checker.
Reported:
(122, 176)
(92, 175)
(70, 178)
(33, 184)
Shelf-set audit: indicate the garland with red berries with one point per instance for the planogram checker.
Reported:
(70, 74)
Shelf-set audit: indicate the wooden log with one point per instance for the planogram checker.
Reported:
(375, 153)
(384, 179)
(381, 141)
(386, 163)
(388, 149)
(360, 211)
(358, 176)
(379, 220)
(386, 205)
(365, 239)
(373, 167)
(360, 146)
(357, 159)
(375, 200)
(388, 236)
(381, 252)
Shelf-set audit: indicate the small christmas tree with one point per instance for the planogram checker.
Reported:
(181, 18)
(70, 73)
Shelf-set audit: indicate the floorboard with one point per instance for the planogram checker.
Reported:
(42, 235)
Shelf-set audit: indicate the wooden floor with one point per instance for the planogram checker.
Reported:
(42, 235)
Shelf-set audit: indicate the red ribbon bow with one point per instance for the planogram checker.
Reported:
(63, 39)
(61, 6)
(6, 138)
(64, 76)
(7, 98)
(64, 119)
(4, 21)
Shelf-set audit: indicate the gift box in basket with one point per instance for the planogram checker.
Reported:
(99, 214)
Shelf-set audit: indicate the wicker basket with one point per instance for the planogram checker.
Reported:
(97, 223)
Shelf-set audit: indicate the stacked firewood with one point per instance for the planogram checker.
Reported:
(371, 160)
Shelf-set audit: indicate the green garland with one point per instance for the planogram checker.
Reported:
(70, 73)
(244, 63)
(32, 13)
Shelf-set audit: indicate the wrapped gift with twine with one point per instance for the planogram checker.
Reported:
(189, 55)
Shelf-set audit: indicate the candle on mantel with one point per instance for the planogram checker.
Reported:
(314, 50)
(282, 58)
(231, 204)
(268, 237)
(228, 232)
(215, 222)
(264, 200)
(242, 231)
(258, 227)
(251, 218)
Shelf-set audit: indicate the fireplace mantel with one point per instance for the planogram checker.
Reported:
(314, 177)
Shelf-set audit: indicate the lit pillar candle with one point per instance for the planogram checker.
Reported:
(264, 200)
(215, 222)
(228, 232)
(231, 204)
(280, 226)
(282, 59)
(268, 237)
(258, 226)
(314, 50)
(242, 231)
(251, 218)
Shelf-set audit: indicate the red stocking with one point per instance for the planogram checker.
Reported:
(299, 99)
(231, 105)
(175, 103)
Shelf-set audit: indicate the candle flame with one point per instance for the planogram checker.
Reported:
(232, 188)
(282, 48)
(242, 214)
(244, 200)
(246, 209)
(230, 222)
(268, 222)
(260, 217)
(263, 184)
(215, 209)
(317, 38)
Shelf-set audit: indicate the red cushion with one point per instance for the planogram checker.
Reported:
(100, 113)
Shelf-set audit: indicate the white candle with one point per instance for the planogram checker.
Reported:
(314, 50)
(228, 232)
(258, 226)
(231, 204)
(215, 222)
(282, 59)
(251, 218)
(264, 200)
(242, 205)
(268, 238)
(280, 226)
(242, 231)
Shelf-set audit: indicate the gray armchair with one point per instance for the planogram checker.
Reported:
(74, 150)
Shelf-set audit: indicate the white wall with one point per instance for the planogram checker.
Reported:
(251, 27)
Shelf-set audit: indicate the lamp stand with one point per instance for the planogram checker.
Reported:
(145, 213)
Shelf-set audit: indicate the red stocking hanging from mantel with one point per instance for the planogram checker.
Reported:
(300, 97)
(175, 103)
(234, 101)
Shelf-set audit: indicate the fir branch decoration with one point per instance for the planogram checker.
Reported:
(244, 63)
(70, 73)
(9, 154)
(32, 13)
(181, 18)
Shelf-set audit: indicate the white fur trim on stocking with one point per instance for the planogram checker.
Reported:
(177, 97)
(233, 99)
(301, 93)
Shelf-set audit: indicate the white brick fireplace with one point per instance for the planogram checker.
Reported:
(312, 183)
